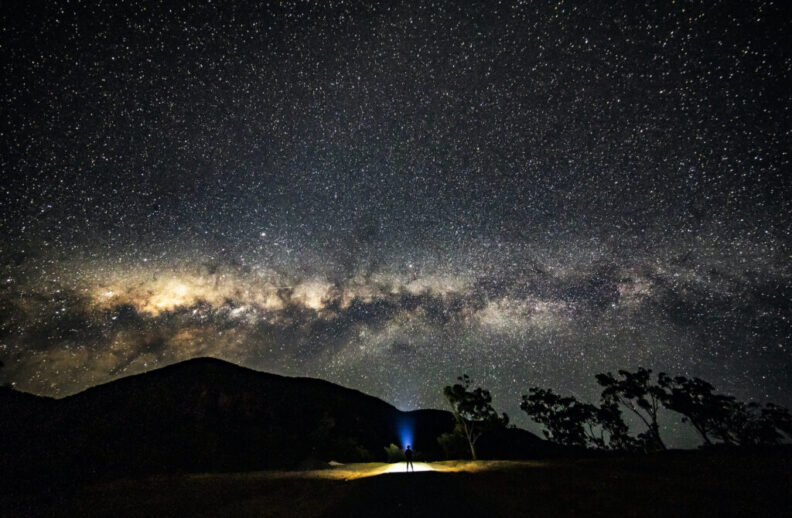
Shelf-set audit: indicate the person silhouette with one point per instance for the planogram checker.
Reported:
(408, 454)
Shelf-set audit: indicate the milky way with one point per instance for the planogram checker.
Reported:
(389, 196)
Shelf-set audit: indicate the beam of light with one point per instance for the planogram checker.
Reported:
(406, 435)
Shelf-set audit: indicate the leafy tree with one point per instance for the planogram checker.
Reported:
(694, 399)
(636, 392)
(473, 411)
(567, 421)
(718, 417)
(454, 443)
(610, 419)
(570, 422)
(781, 418)
(750, 424)
(394, 453)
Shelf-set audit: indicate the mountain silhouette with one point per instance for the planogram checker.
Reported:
(208, 415)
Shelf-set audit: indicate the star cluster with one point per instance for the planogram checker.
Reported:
(387, 196)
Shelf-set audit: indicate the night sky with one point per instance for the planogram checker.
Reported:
(386, 196)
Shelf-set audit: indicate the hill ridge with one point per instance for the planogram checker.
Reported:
(210, 415)
(230, 367)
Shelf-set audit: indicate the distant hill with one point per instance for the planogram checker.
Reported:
(209, 415)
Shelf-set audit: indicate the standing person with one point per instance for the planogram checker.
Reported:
(408, 456)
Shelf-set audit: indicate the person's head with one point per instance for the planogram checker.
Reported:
(408, 446)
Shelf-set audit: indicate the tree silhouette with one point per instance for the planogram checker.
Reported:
(473, 411)
(694, 399)
(781, 418)
(750, 424)
(570, 422)
(567, 421)
(611, 421)
(719, 417)
(636, 392)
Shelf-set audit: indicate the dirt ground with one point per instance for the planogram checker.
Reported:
(668, 486)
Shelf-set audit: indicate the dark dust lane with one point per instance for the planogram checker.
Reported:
(411, 494)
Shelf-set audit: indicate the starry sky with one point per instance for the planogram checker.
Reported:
(386, 195)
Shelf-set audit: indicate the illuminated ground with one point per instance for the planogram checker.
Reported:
(689, 484)
(401, 467)
(371, 469)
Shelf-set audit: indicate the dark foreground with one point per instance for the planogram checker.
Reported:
(682, 484)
